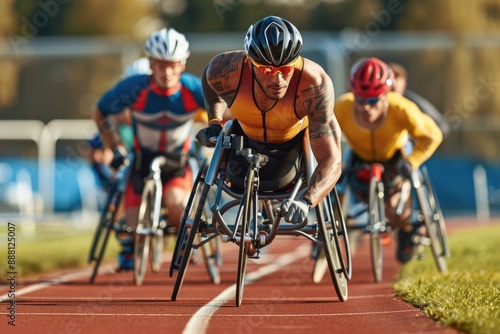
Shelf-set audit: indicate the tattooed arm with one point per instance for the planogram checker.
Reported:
(220, 81)
(315, 99)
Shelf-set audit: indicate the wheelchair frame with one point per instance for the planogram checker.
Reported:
(431, 229)
(107, 219)
(377, 222)
(249, 232)
(149, 232)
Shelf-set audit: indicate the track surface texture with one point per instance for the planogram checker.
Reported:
(279, 297)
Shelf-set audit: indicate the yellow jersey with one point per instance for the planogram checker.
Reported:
(379, 145)
(277, 125)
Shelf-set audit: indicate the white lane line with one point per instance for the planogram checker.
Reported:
(63, 279)
(215, 315)
(26, 290)
(199, 321)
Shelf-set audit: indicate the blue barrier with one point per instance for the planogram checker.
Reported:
(454, 184)
(67, 195)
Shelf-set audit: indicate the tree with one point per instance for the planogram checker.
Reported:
(465, 75)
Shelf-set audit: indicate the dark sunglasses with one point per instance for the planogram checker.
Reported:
(367, 100)
(272, 70)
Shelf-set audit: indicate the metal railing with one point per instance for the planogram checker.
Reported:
(45, 136)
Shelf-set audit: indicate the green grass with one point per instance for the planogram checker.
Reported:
(467, 298)
(52, 248)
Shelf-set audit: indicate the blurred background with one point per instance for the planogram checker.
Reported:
(57, 57)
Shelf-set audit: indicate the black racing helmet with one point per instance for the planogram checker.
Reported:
(273, 41)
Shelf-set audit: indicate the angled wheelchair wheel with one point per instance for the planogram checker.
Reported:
(340, 229)
(143, 232)
(103, 231)
(188, 231)
(181, 233)
(340, 242)
(436, 212)
(377, 220)
(432, 226)
(246, 206)
(100, 243)
(329, 239)
(98, 234)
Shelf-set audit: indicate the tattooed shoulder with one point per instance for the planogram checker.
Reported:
(316, 99)
(223, 74)
(222, 65)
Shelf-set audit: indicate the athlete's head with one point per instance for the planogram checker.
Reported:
(167, 50)
(138, 66)
(168, 44)
(370, 78)
(400, 76)
(273, 41)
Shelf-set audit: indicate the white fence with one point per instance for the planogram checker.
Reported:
(45, 136)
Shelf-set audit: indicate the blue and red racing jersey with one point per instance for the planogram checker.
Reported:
(162, 121)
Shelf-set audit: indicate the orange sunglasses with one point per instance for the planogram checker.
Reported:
(272, 70)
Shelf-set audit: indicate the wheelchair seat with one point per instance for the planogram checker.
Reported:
(282, 169)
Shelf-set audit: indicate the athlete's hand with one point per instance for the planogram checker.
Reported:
(405, 168)
(119, 156)
(205, 134)
(293, 211)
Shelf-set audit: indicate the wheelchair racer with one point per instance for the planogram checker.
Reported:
(163, 105)
(275, 96)
(376, 123)
(98, 156)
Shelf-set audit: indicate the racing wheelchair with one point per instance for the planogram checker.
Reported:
(429, 221)
(152, 225)
(256, 222)
(152, 222)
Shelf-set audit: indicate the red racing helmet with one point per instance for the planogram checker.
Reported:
(370, 77)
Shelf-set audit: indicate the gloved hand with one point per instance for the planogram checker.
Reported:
(205, 134)
(405, 168)
(119, 156)
(293, 211)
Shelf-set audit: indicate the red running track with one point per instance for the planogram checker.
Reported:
(281, 298)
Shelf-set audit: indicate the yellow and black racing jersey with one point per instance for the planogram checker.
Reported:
(379, 145)
(277, 125)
